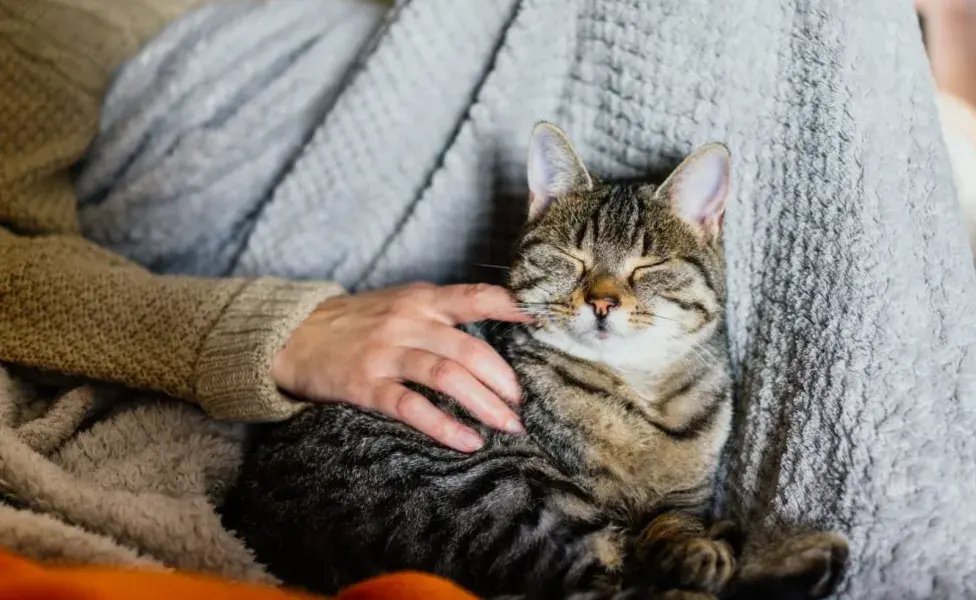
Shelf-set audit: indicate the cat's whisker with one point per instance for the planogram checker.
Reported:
(546, 289)
(538, 312)
(493, 326)
(487, 266)
(695, 348)
(531, 307)
(653, 315)
(562, 308)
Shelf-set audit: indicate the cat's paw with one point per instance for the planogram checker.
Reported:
(816, 559)
(810, 564)
(730, 532)
(695, 563)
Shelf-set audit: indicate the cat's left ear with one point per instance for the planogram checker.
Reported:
(699, 188)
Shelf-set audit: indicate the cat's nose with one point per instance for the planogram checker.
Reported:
(601, 306)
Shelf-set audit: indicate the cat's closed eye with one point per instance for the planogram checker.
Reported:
(665, 279)
(579, 260)
(648, 265)
(555, 261)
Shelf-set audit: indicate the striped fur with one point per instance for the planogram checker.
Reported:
(607, 490)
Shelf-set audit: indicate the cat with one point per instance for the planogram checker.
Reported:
(627, 406)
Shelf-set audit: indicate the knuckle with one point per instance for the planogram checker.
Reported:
(447, 429)
(471, 352)
(402, 304)
(479, 297)
(403, 403)
(443, 372)
(476, 290)
(416, 292)
(409, 299)
(370, 370)
(358, 382)
(372, 349)
(388, 328)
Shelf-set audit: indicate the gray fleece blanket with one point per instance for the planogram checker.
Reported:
(317, 139)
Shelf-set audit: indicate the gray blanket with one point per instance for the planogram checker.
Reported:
(291, 138)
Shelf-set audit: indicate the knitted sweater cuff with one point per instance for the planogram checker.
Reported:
(233, 373)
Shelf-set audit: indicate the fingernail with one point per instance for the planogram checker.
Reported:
(513, 425)
(468, 440)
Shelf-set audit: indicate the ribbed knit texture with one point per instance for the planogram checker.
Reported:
(232, 370)
(851, 313)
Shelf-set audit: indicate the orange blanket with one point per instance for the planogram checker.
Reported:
(21, 579)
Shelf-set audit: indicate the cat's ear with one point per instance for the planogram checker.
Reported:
(699, 188)
(554, 168)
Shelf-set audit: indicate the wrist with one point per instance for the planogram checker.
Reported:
(240, 358)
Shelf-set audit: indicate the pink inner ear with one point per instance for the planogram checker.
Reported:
(537, 204)
(701, 189)
(714, 210)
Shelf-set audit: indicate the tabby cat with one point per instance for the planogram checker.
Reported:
(627, 404)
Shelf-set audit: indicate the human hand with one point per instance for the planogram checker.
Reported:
(359, 349)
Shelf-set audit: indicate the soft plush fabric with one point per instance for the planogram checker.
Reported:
(851, 312)
(126, 485)
(21, 579)
(135, 488)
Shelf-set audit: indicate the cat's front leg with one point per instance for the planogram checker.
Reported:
(677, 551)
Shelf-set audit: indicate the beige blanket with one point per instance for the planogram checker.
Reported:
(135, 488)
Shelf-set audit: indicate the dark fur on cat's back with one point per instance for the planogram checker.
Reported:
(626, 404)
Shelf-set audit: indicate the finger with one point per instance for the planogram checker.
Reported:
(468, 303)
(402, 404)
(475, 355)
(448, 377)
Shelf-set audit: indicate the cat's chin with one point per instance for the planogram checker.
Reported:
(597, 337)
(607, 346)
(600, 336)
(644, 351)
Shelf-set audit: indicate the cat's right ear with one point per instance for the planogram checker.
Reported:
(554, 168)
(699, 188)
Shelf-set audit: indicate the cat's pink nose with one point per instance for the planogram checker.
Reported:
(602, 306)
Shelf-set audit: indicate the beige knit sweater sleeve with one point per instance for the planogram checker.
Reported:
(70, 307)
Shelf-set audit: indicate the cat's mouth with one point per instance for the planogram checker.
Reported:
(604, 330)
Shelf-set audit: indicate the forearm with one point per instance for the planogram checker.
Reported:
(69, 307)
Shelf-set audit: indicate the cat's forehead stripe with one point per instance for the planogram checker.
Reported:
(615, 227)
